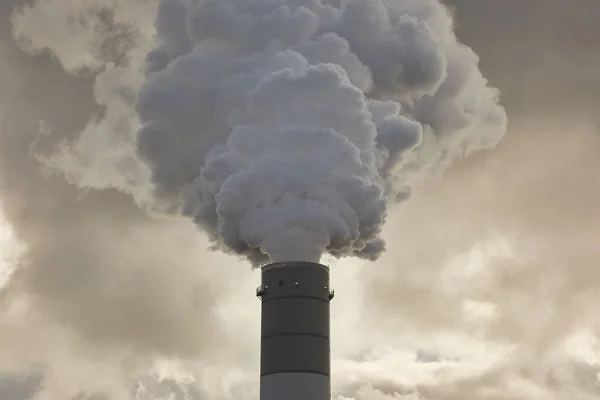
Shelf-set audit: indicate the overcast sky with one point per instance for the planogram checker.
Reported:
(487, 290)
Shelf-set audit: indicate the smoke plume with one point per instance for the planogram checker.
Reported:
(285, 130)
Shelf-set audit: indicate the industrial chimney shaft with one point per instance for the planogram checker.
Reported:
(295, 346)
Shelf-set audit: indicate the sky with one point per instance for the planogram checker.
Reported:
(487, 286)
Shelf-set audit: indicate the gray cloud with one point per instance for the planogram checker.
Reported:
(538, 52)
(16, 387)
(502, 248)
(95, 264)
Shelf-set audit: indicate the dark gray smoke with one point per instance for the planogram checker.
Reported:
(285, 129)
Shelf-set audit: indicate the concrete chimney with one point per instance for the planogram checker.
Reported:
(295, 352)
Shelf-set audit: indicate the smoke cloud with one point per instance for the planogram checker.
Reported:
(285, 130)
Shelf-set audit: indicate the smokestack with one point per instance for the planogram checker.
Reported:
(295, 352)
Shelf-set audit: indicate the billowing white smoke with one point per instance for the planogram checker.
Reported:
(284, 126)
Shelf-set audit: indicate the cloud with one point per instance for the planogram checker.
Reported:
(501, 248)
(16, 387)
(97, 274)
